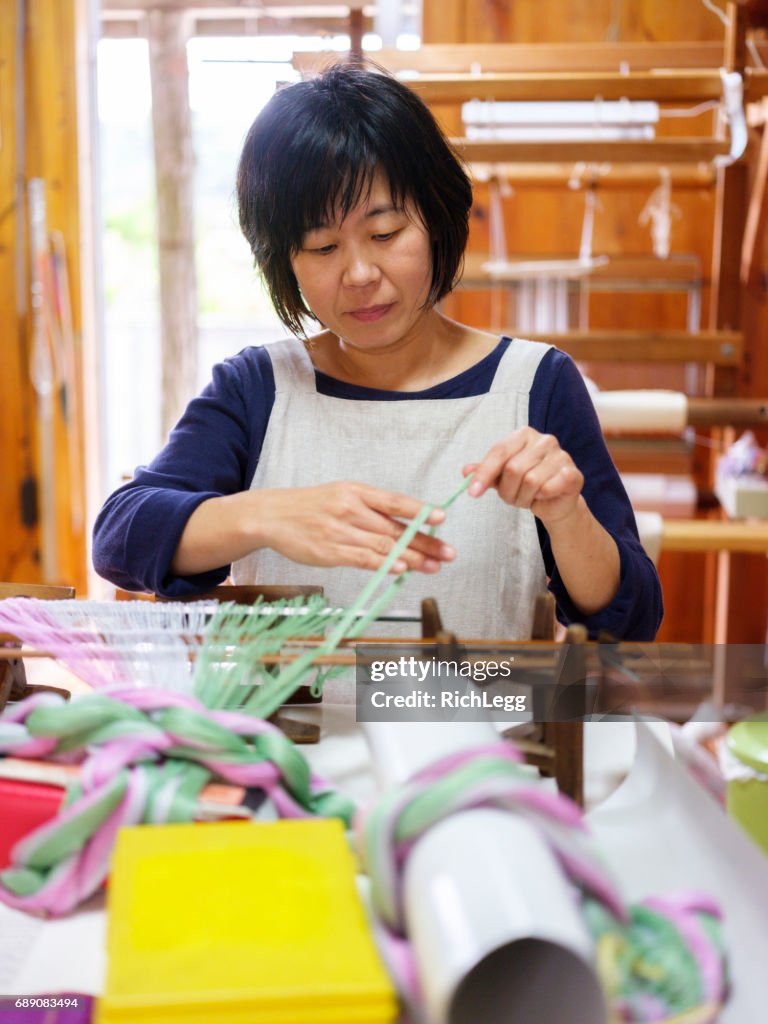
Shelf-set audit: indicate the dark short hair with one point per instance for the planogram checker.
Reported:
(312, 153)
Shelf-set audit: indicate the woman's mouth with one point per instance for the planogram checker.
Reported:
(370, 313)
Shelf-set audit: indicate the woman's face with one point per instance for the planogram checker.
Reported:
(367, 277)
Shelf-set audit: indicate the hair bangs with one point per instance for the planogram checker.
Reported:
(329, 185)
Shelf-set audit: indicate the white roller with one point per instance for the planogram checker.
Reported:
(592, 113)
(650, 526)
(491, 917)
(647, 411)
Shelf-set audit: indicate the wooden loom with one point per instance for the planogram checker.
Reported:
(568, 680)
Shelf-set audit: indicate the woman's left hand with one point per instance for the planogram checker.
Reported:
(530, 470)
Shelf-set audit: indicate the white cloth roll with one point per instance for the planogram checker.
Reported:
(650, 526)
(648, 411)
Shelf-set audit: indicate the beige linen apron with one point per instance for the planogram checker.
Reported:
(417, 447)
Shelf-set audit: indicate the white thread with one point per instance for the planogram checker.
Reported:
(716, 10)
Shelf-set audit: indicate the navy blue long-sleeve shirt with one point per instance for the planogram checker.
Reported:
(215, 448)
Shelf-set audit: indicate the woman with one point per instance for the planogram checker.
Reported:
(300, 461)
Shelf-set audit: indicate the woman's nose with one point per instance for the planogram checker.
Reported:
(360, 269)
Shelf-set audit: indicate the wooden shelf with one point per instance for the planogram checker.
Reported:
(662, 86)
(678, 86)
(651, 151)
(740, 535)
(603, 176)
(679, 269)
(721, 348)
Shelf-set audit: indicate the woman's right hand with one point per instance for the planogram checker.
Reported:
(344, 523)
(347, 523)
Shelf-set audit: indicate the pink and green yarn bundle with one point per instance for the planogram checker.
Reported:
(145, 755)
(661, 960)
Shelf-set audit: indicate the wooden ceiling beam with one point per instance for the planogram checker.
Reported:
(215, 8)
(127, 18)
(266, 25)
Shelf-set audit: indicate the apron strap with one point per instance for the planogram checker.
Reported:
(292, 366)
(517, 367)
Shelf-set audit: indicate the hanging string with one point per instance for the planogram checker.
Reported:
(659, 211)
(711, 6)
(699, 108)
(755, 53)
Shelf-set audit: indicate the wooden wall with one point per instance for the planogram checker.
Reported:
(566, 21)
(545, 219)
(38, 126)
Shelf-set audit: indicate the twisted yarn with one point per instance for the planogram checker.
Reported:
(145, 755)
(669, 964)
(660, 960)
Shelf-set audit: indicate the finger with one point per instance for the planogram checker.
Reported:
(422, 543)
(412, 558)
(423, 554)
(381, 545)
(524, 473)
(488, 471)
(416, 562)
(400, 506)
(530, 485)
(369, 558)
(568, 481)
(429, 547)
(364, 558)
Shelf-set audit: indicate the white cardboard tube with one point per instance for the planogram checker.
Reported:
(649, 411)
(494, 924)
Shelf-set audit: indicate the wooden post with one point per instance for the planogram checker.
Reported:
(174, 174)
(42, 95)
(757, 214)
(356, 30)
(725, 310)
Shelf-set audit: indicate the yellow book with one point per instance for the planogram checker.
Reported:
(240, 922)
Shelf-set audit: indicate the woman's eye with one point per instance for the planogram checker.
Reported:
(323, 250)
(384, 236)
